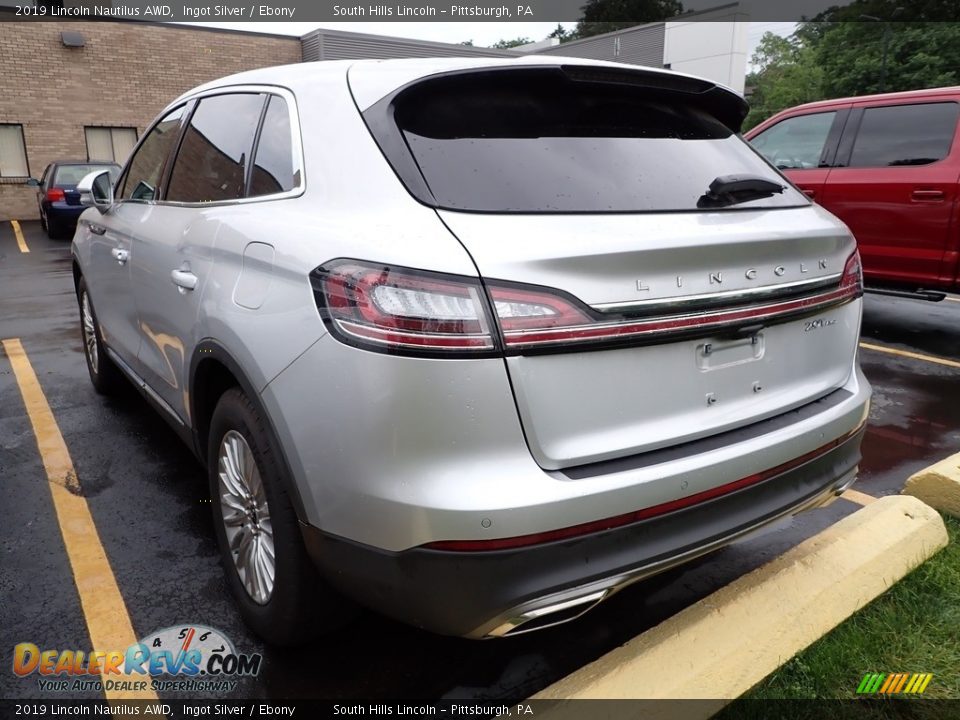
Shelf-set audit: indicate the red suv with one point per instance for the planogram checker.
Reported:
(888, 166)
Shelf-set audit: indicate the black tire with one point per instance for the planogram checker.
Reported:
(104, 375)
(300, 605)
(43, 221)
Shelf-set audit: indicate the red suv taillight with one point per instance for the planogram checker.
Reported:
(55, 195)
(400, 310)
(414, 312)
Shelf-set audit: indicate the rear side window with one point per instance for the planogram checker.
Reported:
(904, 135)
(212, 162)
(797, 142)
(537, 141)
(72, 174)
(143, 172)
(276, 168)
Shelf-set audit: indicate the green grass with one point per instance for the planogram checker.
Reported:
(913, 627)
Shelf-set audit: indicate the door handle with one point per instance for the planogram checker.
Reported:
(120, 255)
(928, 196)
(184, 279)
(809, 193)
(97, 229)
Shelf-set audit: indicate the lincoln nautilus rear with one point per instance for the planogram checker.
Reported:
(474, 343)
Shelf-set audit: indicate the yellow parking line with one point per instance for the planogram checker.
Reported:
(19, 234)
(913, 355)
(860, 498)
(108, 621)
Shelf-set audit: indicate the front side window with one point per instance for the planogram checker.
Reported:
(276, 168)
(110, 143)
(797, 142)
(212, 162)
(143, 173)
(13, 152)
(905, 135)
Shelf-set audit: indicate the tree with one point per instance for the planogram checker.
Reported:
(560, 33)
(467, 43)
(859, 58)
(787, 74)
(603, 16)
(507, 44)
(825, 58)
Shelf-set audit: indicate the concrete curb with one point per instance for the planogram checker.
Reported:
(938, 485)
(725, 644)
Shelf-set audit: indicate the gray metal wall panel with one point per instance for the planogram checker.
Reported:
(338, 45)
(641, 45)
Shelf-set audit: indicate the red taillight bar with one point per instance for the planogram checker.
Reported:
(850, 287)
(637, 515)
(55, 195)
(414, 312)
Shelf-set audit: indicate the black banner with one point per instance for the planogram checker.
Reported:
(612, 12)
(859, 709)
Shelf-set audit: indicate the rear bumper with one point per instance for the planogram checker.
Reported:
(63, 213)
(503, 592)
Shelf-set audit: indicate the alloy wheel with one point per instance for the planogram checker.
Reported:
(246, 517)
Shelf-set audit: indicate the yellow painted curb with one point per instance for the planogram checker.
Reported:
(725, 644)
(938, 485)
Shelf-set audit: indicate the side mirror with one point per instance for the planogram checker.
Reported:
(96, 190)
(32, 182)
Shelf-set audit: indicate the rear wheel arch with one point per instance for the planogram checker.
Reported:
(213, 371)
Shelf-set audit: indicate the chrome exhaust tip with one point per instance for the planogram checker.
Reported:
(549, 615)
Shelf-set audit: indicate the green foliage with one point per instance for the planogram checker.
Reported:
(561, 33)
(918, 55)
(603, 16)
(829, 59)
(507, 44)
(787, 74)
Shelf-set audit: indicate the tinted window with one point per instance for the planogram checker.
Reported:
(536, 141)
(275, 169)
(212, 162)
(796, 142)
(904, 135)
(143, 172)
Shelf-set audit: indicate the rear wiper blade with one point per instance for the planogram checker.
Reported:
(733, 189)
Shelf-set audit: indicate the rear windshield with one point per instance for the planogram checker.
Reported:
(73, 174)
(536, 141)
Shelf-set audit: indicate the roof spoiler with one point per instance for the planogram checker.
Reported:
(724, 104)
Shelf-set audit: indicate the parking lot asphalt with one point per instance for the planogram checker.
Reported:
(147, 497)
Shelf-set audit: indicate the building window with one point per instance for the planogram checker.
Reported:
(110, 143)
(13, 152)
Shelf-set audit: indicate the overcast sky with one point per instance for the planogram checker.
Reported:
(481, 33)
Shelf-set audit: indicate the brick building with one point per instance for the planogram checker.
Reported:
(87, 90)
(54, 96)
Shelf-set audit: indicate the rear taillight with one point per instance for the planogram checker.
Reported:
(852, 279)
(55, 195)
(413, 312)
(405, 311)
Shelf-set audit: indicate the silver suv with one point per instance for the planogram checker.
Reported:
(476, 343)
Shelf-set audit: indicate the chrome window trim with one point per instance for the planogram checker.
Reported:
(125, 169)
(760, 292)
(295, 133)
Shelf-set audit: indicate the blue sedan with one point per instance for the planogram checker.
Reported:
(57, 196)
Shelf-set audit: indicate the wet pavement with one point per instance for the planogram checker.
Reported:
(147, 496)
